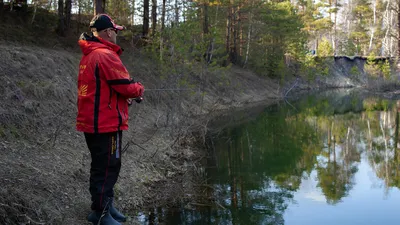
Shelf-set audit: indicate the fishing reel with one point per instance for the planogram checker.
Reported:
(137, 100)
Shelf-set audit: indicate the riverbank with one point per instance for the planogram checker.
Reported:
(45, 161)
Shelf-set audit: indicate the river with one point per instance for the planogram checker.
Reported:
(331, 158)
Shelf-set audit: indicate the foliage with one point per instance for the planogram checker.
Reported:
(371, 67)
(386, 69)
(354, 71)
(277, 32)
(325, 48)
(378, 68)
(269, 37)
(373, 104)
(315, 66)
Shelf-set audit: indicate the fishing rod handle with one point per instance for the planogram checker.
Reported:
(137, 100)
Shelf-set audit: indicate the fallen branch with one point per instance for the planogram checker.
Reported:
(31, 220)
(294, 85)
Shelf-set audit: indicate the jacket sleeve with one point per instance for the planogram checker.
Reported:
(118, 77)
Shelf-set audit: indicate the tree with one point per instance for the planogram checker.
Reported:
(146, 19)
(325, 49)
(1, 7)
(99, 6)
(153, 17)
(61, 22)
(398, 30)
(67, 13)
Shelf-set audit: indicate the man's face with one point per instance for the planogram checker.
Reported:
(112, 34)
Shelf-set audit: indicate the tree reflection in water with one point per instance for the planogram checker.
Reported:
(255, 168)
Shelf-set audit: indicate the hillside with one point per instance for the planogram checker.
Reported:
(45, 161)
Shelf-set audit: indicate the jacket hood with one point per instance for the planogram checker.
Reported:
(89, 43)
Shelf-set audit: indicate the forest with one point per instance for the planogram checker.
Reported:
(273, 38)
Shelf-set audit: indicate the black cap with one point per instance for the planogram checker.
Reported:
(104, 21)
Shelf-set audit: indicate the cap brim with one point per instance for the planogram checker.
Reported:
(118, 27)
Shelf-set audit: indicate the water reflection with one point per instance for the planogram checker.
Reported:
(323, 160)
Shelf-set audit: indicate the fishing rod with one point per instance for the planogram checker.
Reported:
(140, 99)
(169, 89)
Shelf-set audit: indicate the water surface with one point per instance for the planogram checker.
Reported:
(326, 159)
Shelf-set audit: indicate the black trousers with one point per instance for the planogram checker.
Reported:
(105, 150)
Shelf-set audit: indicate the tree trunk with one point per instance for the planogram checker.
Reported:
(153, 17)
(371, 39)
(61, 28)
(1, 8)
(335, 32)
(79, 15)
(249, 33)
(145, 18)
(206, 32)
(34, 11)
(233, 34)
(240, 25)
(99, 6)
(176, 13)
(163, 15)
(398, 30)
(49, 5)
(133, 12)
(228, 29)
(205, 19)
(211, 48)
(162, 29)
(67, 13)
(372, 29)
(386, 25)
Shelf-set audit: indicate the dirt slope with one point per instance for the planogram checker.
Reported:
(45, 163)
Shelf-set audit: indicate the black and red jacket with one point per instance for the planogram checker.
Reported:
(104, 85)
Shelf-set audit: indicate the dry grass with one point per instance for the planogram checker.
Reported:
(45, 162)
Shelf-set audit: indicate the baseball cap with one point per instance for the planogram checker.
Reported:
(104, 21)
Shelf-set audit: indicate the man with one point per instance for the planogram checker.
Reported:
(104, 90)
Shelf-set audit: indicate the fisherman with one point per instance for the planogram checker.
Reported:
(104, 91)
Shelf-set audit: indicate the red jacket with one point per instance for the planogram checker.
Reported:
(104, 85)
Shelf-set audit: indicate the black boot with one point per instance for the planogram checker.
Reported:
(116, 214)
(105, 218)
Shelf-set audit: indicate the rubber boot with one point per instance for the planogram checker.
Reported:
(116, 214)
(105, 219)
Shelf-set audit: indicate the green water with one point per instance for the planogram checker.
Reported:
(326, 159)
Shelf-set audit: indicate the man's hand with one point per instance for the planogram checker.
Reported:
(141, 88)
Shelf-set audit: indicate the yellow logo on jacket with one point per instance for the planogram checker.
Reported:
(82, 68)
(82, 91)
